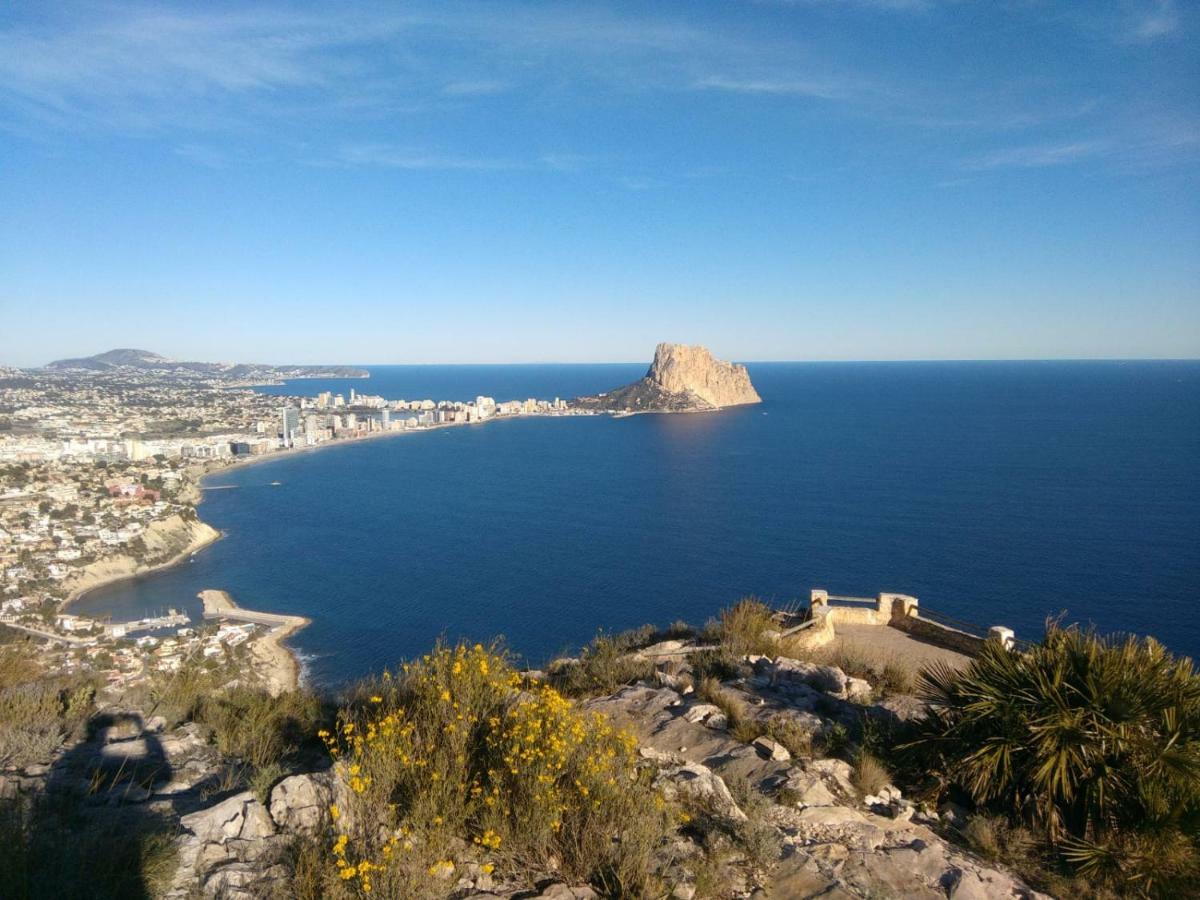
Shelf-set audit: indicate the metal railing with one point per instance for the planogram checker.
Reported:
(938, 618)
(853, 601)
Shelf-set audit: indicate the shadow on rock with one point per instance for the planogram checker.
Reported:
(89, 833)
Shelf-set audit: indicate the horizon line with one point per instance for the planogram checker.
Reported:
(927, 359)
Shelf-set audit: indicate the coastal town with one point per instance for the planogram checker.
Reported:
(100, 472)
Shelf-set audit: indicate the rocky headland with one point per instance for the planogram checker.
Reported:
(165, 543)
(681, 378)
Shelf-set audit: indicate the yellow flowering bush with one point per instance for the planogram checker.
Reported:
(456, 762)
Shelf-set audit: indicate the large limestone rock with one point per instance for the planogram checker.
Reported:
(680, 369)
(681, 379)
(300, 803)
(703, 784)
(226, 850)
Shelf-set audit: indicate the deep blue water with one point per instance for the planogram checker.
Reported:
(996, 492)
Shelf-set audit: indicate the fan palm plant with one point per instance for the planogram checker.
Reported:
(1094, 741)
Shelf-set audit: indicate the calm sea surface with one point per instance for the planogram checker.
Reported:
(996, 492)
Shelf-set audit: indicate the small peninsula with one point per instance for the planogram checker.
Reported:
(681, 378)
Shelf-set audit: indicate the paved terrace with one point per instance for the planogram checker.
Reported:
(893, 645)
(894, 628)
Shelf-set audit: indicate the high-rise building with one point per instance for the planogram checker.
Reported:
(135, 450)
(291, 424)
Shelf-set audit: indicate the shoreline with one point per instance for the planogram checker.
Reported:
(204, 473)
(378, 435)
(282, 664)
(97, 581)
(282, 671)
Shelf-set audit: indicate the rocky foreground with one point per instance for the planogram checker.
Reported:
(782, 825)
(680, 379)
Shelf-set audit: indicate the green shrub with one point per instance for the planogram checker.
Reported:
(177, 696)
(38, 710)
(720, 664)
(262, 730)
(793, 736)
(265, 778)
(1093, 742)
(452, 764)
(604, 666)
(833, 741)
(748, 627)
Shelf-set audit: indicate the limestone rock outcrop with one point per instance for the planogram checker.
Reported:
(681, 378)
(680, 369)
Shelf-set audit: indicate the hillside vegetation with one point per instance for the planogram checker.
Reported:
(458, 774)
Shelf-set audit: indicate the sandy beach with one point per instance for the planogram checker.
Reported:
(276, 664)
(222, 466)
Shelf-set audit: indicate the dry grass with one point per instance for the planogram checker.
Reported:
(870, 775)
(742, 726)
(54, 848)
(748, 627)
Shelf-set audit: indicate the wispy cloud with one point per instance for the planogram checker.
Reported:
(567, 162)
(474, 88)
(203, 155)
(393, 157)
(1039, 156)
(144, 70)
(639, 182)
(1153, 21)
(824, 90)
(888, 5)
(222, 76)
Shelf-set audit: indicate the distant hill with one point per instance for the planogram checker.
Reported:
(681, 379)
(145, 361)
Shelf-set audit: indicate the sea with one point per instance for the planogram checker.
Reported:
(996, 492)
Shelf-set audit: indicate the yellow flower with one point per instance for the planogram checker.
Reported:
(334, 812)
(376, 699)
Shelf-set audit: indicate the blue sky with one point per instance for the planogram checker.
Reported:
(505, 182)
